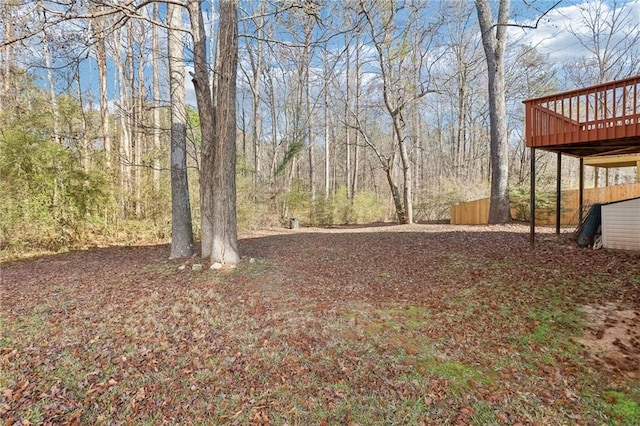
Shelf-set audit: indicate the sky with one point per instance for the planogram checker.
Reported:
(551, 37)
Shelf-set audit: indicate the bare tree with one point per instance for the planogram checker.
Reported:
(181, 227)
(466, 63)
(46, 47)
(327, 131)
(397, 91)
(156, 99)
(100, 47)
(494, 40)
(308, 105)
(218, 127)
(610, 33)
(255, 56)
(139, 40)
(124, 115)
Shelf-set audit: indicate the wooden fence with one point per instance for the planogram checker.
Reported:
(477, 212)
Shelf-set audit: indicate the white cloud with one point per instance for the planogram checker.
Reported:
(554, 33)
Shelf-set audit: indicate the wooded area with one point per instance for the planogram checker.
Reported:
(340, 112)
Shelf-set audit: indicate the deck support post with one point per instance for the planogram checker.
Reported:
(558, 191)
(581, 192)
(532, 201)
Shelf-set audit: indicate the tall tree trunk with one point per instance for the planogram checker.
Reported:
(156, 101)
(327, 144)
(395, 195)
(256, 117)
(309, 109)
(181, 227)
(125, 129)
(52, 88)
(205, 111)
(243, 126)
(101, 58)
(494, 39)
(406, 170)
(54, 112)
(461, 134)
(394, 108)
(356, 144)
(418, 157)
(347, 128)
(83, 146)
(139, 119)
(5, 53)
(225, 244)
(130, 69)
(310, 135)
(218, 128)
(387, 163)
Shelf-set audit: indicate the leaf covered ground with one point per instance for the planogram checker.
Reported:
(421, 324)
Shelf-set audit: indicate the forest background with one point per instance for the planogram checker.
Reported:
(86, 109)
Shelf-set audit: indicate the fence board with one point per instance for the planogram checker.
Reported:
(477, 212)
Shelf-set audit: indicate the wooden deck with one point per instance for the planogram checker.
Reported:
(597, 120)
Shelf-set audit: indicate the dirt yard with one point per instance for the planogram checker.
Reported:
(420, 324)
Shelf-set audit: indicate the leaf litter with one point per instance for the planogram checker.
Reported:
(414, 324)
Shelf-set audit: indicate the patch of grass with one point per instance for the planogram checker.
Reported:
(634, 278)
(542, 333)
(622, 407)
(163, 269)
(483, 414)
(554, 327)
(459, 375)
(70, 370)
(34, 415)
(252, 266)
(551, 337)
(397, 329)
(614, 407)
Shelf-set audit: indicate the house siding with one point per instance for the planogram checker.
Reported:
(621, 225)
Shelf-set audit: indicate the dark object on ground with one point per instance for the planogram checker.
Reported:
(589, 226)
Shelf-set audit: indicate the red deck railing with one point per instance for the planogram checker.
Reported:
(609, 111)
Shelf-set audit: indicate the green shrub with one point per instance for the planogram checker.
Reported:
(367, 208)
(297, 203)
(520, 199)
(45, 195)
(338, 209)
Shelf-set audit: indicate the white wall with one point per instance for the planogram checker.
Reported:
(621, 225)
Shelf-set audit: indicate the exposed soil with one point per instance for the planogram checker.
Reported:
(613, 337)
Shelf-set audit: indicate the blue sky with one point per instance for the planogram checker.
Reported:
(552, 36)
